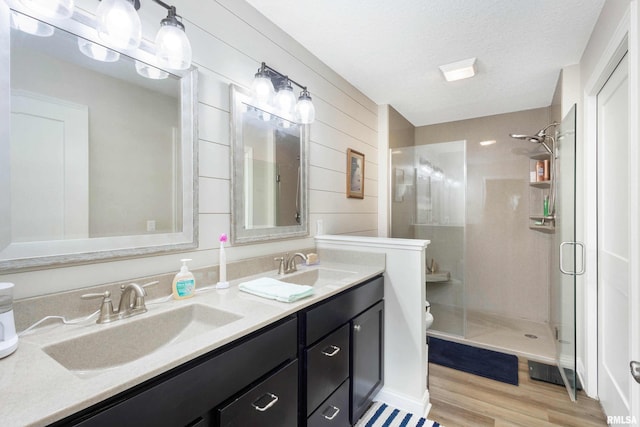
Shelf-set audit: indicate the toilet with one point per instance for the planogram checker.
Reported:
(428, 316)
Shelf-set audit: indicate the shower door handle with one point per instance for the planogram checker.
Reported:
(562, 269)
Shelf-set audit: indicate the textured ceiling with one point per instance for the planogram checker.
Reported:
(391, 49)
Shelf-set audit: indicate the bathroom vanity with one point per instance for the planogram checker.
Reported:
(238, 360)
(325, 359)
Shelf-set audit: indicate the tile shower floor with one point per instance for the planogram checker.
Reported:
(531, 340)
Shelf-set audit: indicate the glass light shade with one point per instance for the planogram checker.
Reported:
(96, 51)
(173, 48)
(30, 25)
(118, 24)
(150, 72)
(56, 9)
(305, 111)
(285, 100)
(262, 89)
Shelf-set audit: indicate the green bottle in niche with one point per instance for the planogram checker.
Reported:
(545, 206)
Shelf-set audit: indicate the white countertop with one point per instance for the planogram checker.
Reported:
(36, 390)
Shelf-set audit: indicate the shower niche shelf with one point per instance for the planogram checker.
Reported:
(537, 192)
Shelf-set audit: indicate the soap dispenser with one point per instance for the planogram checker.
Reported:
(184, 284)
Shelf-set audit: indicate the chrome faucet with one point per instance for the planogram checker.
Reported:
(288, 264)
(131, 302)
(291, 266)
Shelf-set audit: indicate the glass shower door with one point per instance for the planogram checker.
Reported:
(428, 202)
(565, 249)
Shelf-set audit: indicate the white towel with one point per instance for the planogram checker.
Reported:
(275, 289)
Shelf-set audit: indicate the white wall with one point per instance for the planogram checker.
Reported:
(230, 40)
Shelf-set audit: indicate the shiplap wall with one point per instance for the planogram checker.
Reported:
(230, 39)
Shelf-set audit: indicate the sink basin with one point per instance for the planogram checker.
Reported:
(318, 277)
(128, 340)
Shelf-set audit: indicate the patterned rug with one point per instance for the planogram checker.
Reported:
(382, 415)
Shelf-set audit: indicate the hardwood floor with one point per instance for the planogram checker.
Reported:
(461, 399)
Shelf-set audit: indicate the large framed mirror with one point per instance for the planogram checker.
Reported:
(101, 154)
(269, 173)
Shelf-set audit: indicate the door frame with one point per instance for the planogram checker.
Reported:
(626, 38)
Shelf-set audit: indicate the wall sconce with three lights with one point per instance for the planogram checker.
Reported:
(283, 101)
(118, 26)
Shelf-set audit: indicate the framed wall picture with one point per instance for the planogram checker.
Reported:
(355, 174)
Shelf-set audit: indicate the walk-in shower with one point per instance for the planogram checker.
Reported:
(487, 273)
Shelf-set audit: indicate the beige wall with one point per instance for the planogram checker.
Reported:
(506, 263)
(401, 131)
(230, 40)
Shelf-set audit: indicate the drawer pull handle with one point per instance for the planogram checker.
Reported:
(333, 350)
(332, 416)
(273, 399)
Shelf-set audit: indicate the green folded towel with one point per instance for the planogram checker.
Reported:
(275, 289)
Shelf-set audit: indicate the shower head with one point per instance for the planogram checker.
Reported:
(530, 138)
(539, 138)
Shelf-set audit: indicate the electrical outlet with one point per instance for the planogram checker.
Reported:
(151, 225)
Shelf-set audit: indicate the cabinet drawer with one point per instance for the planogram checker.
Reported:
(334, 411)
(273, 402)
(327, 366)
(329, 315)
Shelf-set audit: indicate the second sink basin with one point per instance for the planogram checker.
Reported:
(318, 277)
(119, 343)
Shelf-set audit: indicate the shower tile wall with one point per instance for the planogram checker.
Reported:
(506, 263)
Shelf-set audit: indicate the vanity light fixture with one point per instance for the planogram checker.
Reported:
(459, 70)
(55, 9)
(284, 101)
(119, 25)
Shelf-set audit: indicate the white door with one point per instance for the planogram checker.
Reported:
(49, 138)
(614, 305)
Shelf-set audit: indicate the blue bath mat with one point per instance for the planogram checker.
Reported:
(382, 415)
(473, 360)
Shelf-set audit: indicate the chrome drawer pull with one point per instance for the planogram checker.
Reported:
(273, 401)
(332, 416)
(334, 350)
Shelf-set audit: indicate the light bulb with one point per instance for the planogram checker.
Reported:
(119, 24)
(285, 99)
(30, 25)
(96, 51)
(173, 48)
(56, 9)
(305, 110)
(262, 89)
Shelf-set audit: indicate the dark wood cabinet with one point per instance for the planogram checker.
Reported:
(367, 358)
(342, 345)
